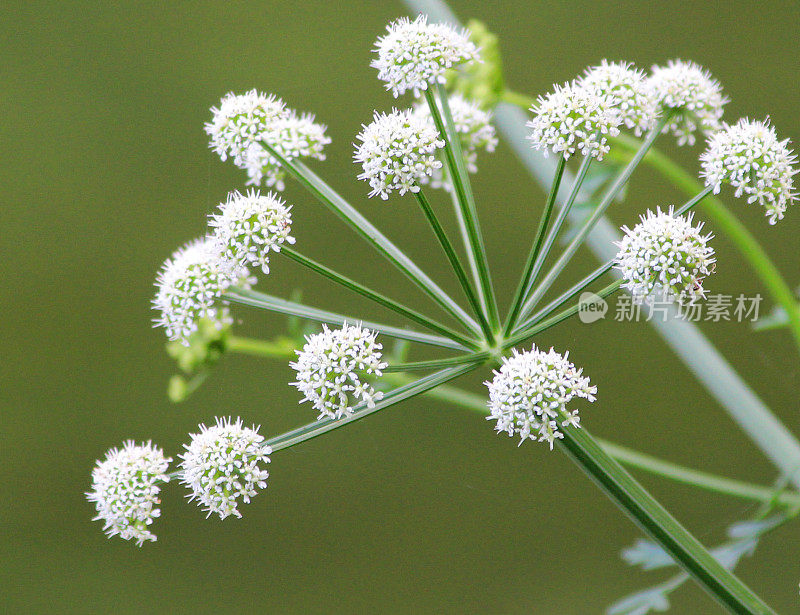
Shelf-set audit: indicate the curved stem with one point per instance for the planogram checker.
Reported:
(282, 306)
(455, 263)
(375, 296)
(355, 220)
(748, 246)
(533, 255)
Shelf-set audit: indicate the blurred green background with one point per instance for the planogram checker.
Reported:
(420, 508)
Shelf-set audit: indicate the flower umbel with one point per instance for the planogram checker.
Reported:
(573, 118)
(749, 156)
(241, 120)
(331, 368)
(694, 97)
(398, 152)
(190, 285)
(223, 463)
(415, 54)
(529, 394)
(474, 128)
(125, 488)
(292, 136)
(251, 225)
(665, 253)
(626, 86)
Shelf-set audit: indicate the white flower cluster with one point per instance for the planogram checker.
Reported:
(292, 136)
(223, 463)
(415, 54)
(251, 225)
(243, 121)
(190, 285)
(474, 128)
(749, 156)
(573, 118)
(692, 94)
(665, 253)
(627, 87)
(331, 368)
(125, 488)
(397, 152)
(529, 394)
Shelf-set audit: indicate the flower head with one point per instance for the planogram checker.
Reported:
(626, 86)
(693, 96)
(292, 136)
(241, 120)
(664, 253)
(474, 128)
(223, 463)
(331, 368)
(125, 488)
(251, 225)
(530, 392)
(397, 152)
(190, 285)
(574, 118)
(415, 54)
(749, 156)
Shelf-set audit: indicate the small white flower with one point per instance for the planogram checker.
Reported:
(573, 118)
(125, 488)
(190, 285)
(665, 253)
(251, 225)
(223, 463)
(292, 136)
(397, 152)
(749, 156)
(414, 54)
(694, 96)
(474, 128)
(331, 368)
(626, 86)
(241, 120)
(529, 394)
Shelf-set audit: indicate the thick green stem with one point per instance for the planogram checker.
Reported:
(533, 255)
(356, 221)
(259, 348)
(748, 246)
(463, 189)
(376, 297)
(455, 263)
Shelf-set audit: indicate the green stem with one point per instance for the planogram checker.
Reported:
(375, 296)
(648, 514)
(455, 263)
(475, 357)
(598, 212)
(353, 218)
(533, 255)
(524, 334)
(259, 348)
(463, 189)
(559, 222)
(407, 391)
(748, 246)
(282, 306)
